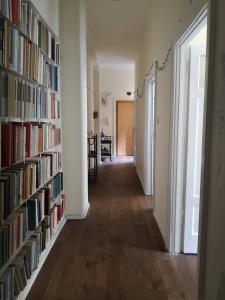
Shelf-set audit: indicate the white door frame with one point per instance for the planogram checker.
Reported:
(178, 154)
(150, 162)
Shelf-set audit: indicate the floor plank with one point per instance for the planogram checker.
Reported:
(117, 253)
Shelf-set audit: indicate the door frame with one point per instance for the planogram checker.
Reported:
(150, 165)
(117, 102)
(177, 165)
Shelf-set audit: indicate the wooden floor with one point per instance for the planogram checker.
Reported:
(117, 253)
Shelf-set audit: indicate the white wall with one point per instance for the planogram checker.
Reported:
(97, 107)
(49, 9)
(90, 91)
(212, 258)
(74, 105)
(117, 83)
(166, 24)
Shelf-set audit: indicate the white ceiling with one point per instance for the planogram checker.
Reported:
(115, 29)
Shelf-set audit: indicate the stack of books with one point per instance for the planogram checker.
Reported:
(21, 141)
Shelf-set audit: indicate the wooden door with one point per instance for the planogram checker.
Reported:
(125, 128)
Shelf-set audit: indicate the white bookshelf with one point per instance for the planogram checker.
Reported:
(57, 148)
(43, 258)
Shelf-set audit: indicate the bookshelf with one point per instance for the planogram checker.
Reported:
(32, 200)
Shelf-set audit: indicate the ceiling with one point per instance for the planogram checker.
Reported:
(115, 29)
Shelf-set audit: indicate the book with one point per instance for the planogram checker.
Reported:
(4, 235)
(1, 39)
(6, 145)
(33, 213)
(7, 284)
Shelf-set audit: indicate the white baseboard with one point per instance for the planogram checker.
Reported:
(160, 229)
(140, 178)
(43, 258)
(81, 216)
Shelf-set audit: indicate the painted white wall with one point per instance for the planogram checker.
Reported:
(90, 91)
(97, 107)
(49, 9)
(212, 249)
(117, 83)
(74, 105)
(166, 24)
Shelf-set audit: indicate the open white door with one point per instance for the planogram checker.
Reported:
(194, 144)
(150, 134)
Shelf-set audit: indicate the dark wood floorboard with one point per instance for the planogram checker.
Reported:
(117, 253)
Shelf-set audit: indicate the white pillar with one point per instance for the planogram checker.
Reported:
(74, 105)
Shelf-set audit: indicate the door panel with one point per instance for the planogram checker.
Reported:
(151, 133)
(125, 128)
(194, 147)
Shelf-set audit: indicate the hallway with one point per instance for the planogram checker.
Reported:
(117, 253)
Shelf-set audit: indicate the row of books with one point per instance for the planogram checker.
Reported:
(17, 226)
(21, 181)
(48, 74)
(17, 53)
(11, 9)
(22, 99)
(14, 280)
(38, 32)
(25, 17)
(21, 141)
(13, 234)
(55, 186)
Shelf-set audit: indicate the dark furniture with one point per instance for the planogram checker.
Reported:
(93, 157)
(106, 148)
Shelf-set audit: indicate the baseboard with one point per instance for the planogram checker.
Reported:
(160, 230)
(79, 216)
(43, 258)
(141, 179)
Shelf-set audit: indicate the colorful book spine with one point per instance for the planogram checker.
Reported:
(26, 262)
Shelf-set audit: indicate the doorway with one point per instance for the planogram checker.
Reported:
(188, 135)
(196, 63)
(125, 128)
(150, 133)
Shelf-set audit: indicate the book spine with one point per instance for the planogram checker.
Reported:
(6, 133)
